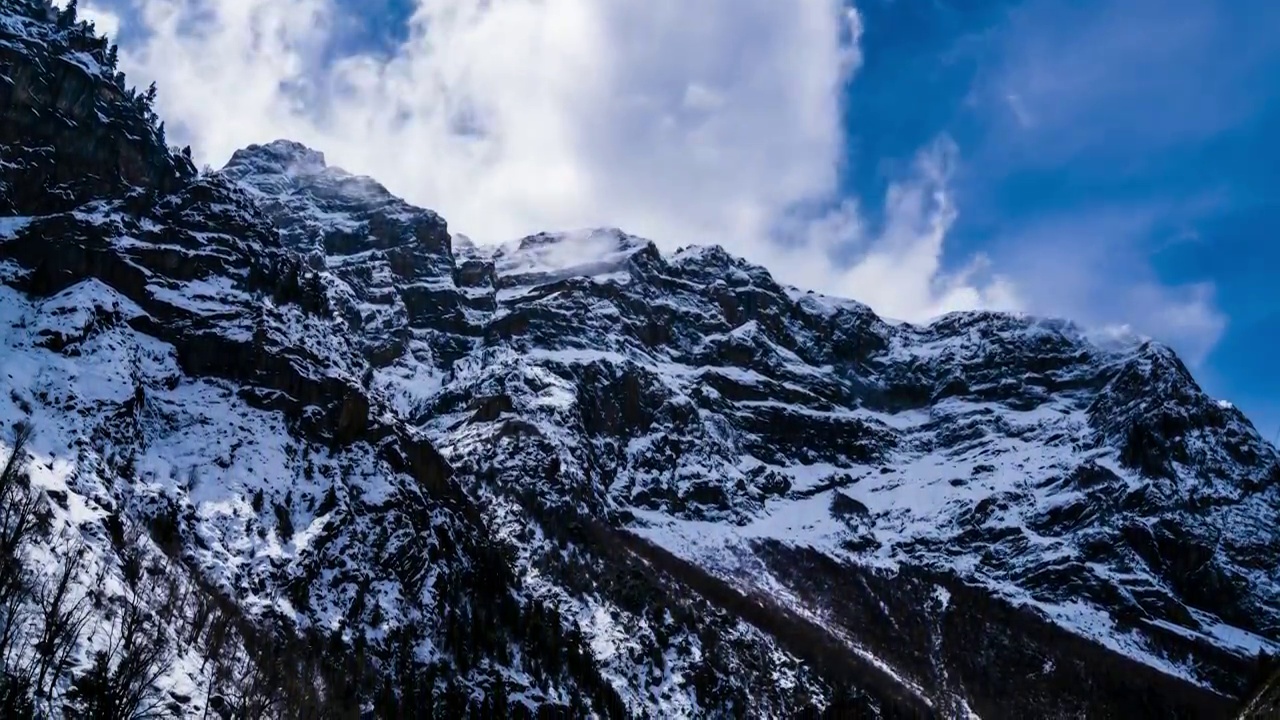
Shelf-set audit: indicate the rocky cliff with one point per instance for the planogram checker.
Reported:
(1265, 702)
(572, 474)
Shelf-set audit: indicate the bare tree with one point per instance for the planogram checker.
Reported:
(63, 614)
(132, 553)
(18, 517)
(18, 505)
(13, 596)
(256, 686)
(121, 682)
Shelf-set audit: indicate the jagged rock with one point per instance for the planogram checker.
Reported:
(69, 131)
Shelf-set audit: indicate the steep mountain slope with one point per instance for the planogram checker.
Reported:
(571, 474)
(1265, 703)
(865, 474)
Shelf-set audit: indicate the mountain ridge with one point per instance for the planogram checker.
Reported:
(572, 473)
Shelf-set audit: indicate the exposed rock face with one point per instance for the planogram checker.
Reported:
(583, 476)
(69, 128)
(395, 259)
(1266, 701)
(800, 447)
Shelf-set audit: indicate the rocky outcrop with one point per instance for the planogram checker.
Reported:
(396, 260)
(1265, 703)
(70, 130)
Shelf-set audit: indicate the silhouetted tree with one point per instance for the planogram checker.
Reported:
(67, 16)
(120, 683)
(19, 516)
(63, 614)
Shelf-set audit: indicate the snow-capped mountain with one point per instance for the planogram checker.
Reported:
(379, 470)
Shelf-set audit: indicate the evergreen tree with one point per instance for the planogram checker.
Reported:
(499, 699)
(67, 17)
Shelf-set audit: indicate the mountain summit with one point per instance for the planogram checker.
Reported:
(295, 450)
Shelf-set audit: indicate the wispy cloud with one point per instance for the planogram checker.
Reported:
(1109, 79)
(1092, 267)
(1093, 148)
(900, 269)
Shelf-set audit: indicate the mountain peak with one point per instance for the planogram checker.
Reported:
(287, 155)
(278, 166)
(283, 168)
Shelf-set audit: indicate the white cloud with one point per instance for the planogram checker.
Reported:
(900, 269)
(1185, 316)
(1019, 109)
(706, 122)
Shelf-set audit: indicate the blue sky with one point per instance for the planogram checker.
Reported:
(1141, 135)
(1112, 161)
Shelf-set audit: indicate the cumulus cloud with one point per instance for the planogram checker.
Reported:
(899, 268)
(706, 122)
